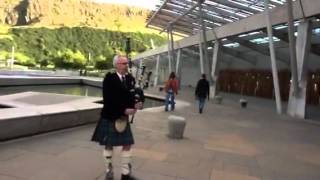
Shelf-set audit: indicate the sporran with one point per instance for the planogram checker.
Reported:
(121, 124)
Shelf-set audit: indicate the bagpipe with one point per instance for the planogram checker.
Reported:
(136, 92)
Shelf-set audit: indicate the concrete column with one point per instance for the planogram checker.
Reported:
(214, 68)
(156, 77)
(137, 70)
(169, 48)
(201, 54)
(172, 50)
(293, 57)
(203, 42)
(178, 66)
(140, 77)
(273, 59)
(297, 101)
(178, 63)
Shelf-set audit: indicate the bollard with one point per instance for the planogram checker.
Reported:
(243, 103)
(217, 100)
(176, 125)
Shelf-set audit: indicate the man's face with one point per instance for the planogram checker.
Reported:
(122, 65)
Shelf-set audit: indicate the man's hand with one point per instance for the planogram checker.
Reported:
(130, 111)
(138, 105)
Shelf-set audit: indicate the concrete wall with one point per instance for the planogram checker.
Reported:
(27, 115)
(26, 125)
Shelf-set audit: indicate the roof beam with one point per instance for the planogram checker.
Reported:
(182, 15)
(182, 23)
(283, 36)
(206, 16)
(174, 14)
(188, 17)
(245, 57)
(237, 6)
(221, 11)
(196, 55)
(163, 24)
(256, 47)
(151, 18)
(278, 15)
(181, 34)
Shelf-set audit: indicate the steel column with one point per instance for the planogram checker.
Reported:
(214, 68)
(273, 59)
(156, 78)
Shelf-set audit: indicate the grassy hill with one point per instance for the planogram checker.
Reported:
(64, 32)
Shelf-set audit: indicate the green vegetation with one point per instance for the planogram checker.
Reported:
(62, 33)
(69, 47)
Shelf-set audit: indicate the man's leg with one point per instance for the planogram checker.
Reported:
(107, 154)
(126, 158)
(172, 102)
(167, 101)
(201, 104)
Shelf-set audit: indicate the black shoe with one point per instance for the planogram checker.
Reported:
(109, 176)
(128, 177)
(200, 111)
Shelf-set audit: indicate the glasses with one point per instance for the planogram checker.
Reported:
(124, 63)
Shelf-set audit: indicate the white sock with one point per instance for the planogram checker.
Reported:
(125, 162)
(107, 154)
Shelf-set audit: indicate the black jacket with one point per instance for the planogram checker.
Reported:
(202, 89)
(116, 96)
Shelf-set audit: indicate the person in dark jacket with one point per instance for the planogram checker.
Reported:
(118, 103)
(202, 91)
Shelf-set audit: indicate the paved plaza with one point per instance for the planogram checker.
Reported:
(224, 143)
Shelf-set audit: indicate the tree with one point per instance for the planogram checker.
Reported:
(69, 59)
(103, 63)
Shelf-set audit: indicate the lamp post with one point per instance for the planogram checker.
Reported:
(128, 53)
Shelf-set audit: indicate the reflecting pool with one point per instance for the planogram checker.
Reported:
(75, 89)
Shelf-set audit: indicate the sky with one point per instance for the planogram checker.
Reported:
(149, 4)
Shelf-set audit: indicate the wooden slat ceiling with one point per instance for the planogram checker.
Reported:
(215, 13)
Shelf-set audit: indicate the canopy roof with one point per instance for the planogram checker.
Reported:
(184, 14)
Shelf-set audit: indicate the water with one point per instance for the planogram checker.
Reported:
(79, 90)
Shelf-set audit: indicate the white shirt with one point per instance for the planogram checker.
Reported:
(120, 76)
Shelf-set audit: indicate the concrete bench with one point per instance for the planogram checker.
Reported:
(176, 126)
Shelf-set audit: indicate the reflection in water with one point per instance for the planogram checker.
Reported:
(79, 90)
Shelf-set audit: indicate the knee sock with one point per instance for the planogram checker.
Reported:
(125, 162)
(107, 154)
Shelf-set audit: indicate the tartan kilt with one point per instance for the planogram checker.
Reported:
(106, 134)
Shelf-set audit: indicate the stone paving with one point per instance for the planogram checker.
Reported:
(224, 143)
